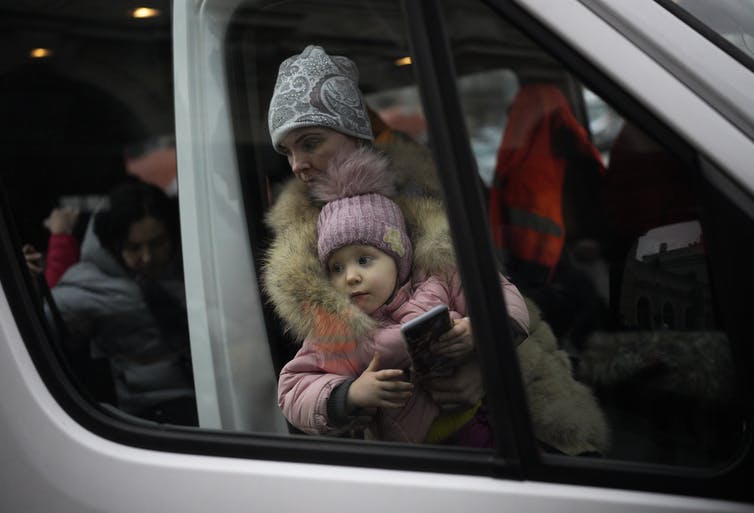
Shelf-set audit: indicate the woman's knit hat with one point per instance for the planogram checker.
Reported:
(356, 186)
(316, 89)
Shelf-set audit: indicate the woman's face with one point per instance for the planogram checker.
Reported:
(148, 248)
(309, 150)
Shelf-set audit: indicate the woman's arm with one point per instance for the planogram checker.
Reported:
(63, 248)
(462, 389)
(62, 253)
(516, 306)
(457, 343)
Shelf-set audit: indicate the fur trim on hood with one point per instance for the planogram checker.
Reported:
(295, 280)
(564, 412)
(691, 364)
(414, 167)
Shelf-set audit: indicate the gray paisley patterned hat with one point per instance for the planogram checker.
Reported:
(316, 89)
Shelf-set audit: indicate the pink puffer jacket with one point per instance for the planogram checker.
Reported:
(322, 364)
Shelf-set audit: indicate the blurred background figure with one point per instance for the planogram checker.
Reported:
(543, 206)
(124, 302)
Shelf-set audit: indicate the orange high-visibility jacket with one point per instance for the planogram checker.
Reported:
(526, 198)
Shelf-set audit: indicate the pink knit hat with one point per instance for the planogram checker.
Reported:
(356, 186)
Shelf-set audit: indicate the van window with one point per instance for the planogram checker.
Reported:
(608, 234)
(730, 25)
(613, 261)
(83, 113)
(374, 39)
(609, 244)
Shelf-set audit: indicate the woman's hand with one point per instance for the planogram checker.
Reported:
(456, 343)
(61, 220)
(378, 388)
(462, 389)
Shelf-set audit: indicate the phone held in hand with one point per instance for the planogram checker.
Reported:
(420, 333)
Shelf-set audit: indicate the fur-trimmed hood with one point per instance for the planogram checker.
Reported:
(694, 364)
(295, 280)
(564, 412)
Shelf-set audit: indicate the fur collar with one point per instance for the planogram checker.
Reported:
(564, 412)
(295, 281)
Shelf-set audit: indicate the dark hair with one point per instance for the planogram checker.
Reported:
(131, 202)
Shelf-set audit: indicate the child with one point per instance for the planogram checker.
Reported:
(336, 384)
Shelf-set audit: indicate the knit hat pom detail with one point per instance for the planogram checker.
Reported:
(349, 174)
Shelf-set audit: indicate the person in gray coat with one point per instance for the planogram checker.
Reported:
(125, 301)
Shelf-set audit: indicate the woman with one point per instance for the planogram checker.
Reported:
(317, 111)
(125, 301)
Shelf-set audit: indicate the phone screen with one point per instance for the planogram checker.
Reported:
(420, 333)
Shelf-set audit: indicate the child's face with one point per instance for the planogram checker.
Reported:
(365, 273)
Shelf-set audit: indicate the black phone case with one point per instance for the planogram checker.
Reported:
(419, 334)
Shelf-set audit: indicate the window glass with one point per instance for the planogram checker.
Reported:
(371, 35)
(620, 292)
(116, 309)
(732, 20)
(87, 107)
(607, 234)
(603, 123)
(485, 97)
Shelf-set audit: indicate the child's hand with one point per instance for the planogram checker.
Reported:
(457, 342)
(378, 389)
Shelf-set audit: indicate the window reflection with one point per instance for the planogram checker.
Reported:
(732, 20)
(601, 228)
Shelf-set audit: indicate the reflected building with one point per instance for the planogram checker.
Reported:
(668, 289)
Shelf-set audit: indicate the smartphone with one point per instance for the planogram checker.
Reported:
(420, 333)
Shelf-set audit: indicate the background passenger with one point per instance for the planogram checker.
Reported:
(62, 246)
(125, 300)
(544, 210)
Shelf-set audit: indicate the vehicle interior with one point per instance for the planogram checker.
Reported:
(634, 304)
(648, 297)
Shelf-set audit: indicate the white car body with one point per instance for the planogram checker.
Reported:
(51, 462)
